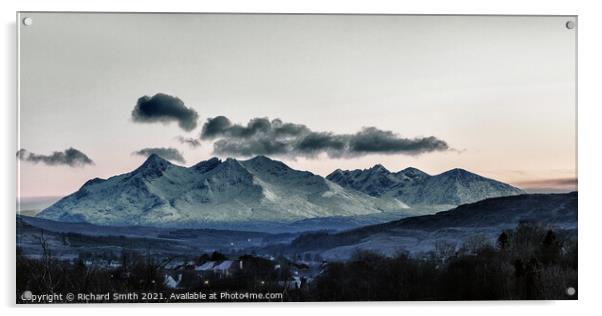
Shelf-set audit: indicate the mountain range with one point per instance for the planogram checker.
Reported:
(415, 187)
(159, 193)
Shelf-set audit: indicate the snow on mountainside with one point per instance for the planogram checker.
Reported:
(414, 187)
(260, 189)
(376, 180)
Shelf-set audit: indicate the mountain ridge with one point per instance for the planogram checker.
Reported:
(486, 219)
(261, 189)
(258, 189)
(415, 187)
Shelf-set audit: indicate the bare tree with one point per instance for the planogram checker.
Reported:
(444, 249)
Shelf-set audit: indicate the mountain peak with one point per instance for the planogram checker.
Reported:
(264, 163)
(154, 164)
(231, 161)
(153, 158)
(260, 158)
(233, 164)
(459, 172)
(411, 169)
(207, 165)
(413, 172)
(379, 168)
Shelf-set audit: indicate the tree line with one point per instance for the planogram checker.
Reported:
(526, 263)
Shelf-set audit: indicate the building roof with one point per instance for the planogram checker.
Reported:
(224, 265)
(206, 266)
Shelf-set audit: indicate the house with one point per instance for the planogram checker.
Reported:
(172, 282)
(223, 268)
(295, 282)
(175, 265)
(206, 267)
(227, 267)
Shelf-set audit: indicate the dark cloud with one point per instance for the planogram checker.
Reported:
(222, 127)
(215, 127)
(251, 147)
(164, 108)
(282, 129)
(69, 157)
(260, 136)
(373, 140)
(192, 142)
(312, 144)
(165, 153)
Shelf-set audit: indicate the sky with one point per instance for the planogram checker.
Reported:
(494, 95)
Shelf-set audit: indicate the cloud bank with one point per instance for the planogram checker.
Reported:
(556, 185)
(69, 157)
(171, 154)
(164, 108)
(551, 182)
(261, 136)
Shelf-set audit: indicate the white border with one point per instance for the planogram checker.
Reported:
(590, 158)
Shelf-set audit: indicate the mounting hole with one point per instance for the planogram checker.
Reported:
(570, 291)
(26, 296)
(570, 25)
(28, 21)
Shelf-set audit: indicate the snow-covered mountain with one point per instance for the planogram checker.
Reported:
(415, 187)
(259, 189)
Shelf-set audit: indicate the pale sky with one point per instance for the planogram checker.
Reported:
(498, 90)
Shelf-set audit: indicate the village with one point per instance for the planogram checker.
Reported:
(215, 270)
(254, 271)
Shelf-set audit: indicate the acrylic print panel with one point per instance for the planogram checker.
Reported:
(267, 157)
